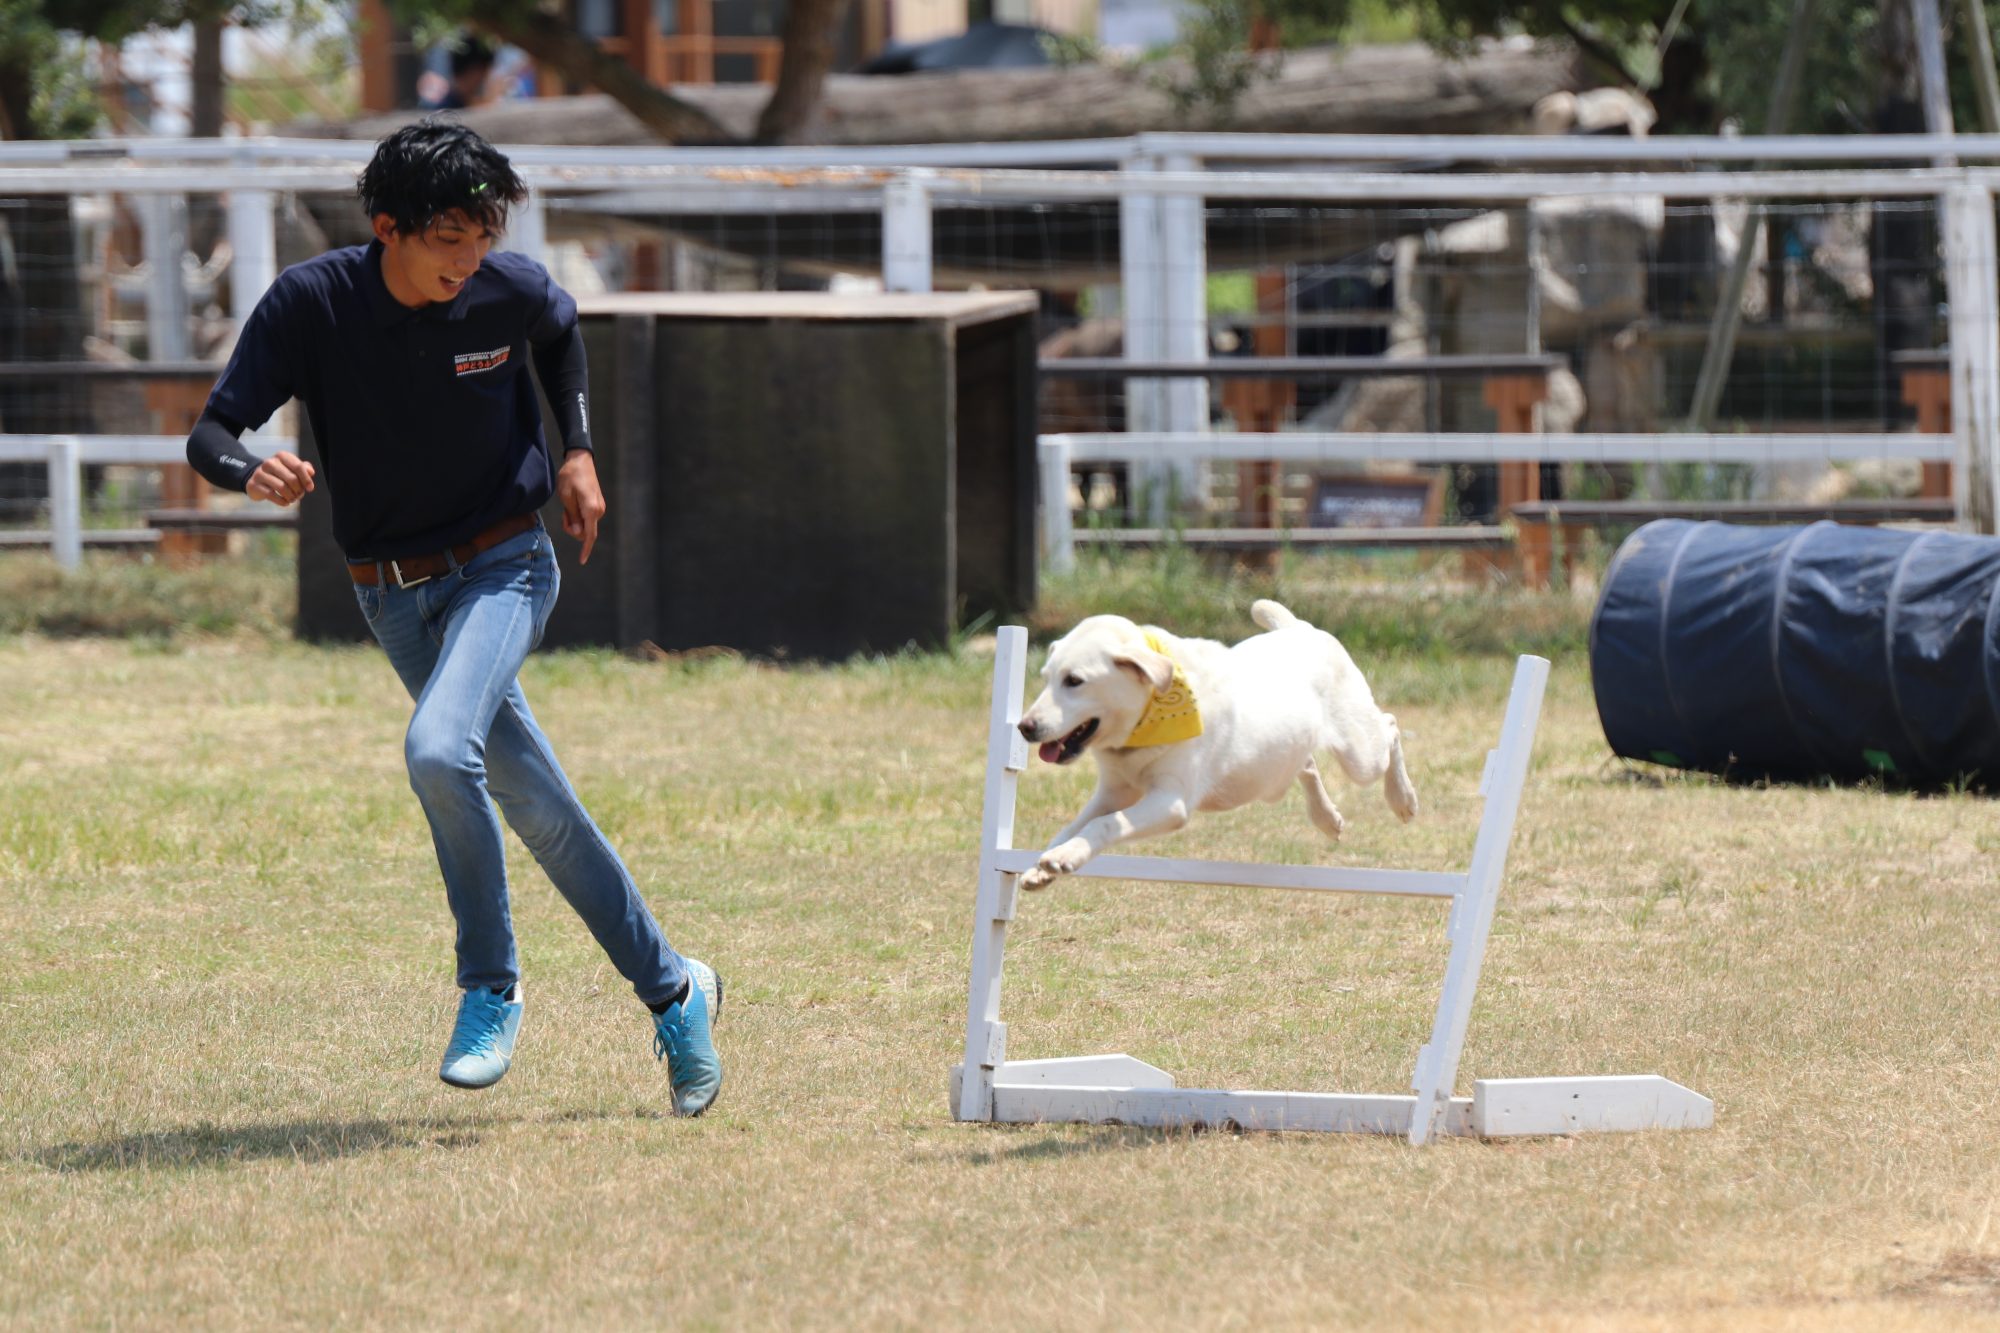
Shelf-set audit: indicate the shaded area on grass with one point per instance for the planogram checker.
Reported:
(1962, 1277)
(224, 1145)
(310, 1140)
(995, 1144)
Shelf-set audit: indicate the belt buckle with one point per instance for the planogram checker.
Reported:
(396, 568)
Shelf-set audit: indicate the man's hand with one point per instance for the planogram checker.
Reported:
(282, 479)
(582, 499)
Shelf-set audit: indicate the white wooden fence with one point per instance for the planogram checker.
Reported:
(65, 456)
(1058, 453)
(1162, 183)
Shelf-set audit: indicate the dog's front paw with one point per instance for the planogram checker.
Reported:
(1065, 857)
(1037, 878)
(1056, 862)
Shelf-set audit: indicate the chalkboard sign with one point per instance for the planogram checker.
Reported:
(1362, 500)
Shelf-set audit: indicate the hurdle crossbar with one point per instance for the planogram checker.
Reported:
(1118, 1089)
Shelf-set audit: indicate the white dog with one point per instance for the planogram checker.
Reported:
(1180, 725)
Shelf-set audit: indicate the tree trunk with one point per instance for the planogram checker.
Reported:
(16, 113)
(810, 26)
(41, 305)
(41, 311)
(1684, 281)
(1680, 98)
(205, 115)
(1902, 241)
(580, 61)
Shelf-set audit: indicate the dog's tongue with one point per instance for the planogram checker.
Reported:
(1049, 751)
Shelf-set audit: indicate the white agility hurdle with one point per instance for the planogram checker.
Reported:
(1118, 1089)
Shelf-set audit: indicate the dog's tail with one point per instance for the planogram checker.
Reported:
(1271, 615)
(1396, 785)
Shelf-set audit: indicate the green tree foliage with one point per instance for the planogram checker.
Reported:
(43, 93)
(1719, 65)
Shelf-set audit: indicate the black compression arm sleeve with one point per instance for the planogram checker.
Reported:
(565, 380)
(215, 452)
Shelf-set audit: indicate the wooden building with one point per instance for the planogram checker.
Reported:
(700, 42)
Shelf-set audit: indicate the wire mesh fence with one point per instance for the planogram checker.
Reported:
(1570, 313)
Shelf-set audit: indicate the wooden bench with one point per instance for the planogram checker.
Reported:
(1537, 521)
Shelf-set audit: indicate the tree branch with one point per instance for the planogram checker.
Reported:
(808, 55)
(579, 60)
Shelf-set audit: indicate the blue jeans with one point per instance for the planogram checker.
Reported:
(458, 642)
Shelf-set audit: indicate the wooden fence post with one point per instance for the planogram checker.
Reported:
(1513, 399)
(1929, 391)
(1262, 405)
(176, 405)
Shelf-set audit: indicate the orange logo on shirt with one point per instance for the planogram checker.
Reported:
(471, 363)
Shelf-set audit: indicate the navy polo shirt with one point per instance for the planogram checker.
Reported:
(426, 418)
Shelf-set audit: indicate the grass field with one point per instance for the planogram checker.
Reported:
(225, 979)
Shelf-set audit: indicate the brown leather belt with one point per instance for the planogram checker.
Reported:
(411, 570)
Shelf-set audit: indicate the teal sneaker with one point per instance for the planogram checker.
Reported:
(681, 1037)
(482, 1042)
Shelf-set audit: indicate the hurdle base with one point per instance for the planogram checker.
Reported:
(1121, 1090)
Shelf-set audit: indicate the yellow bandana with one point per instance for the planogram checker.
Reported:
(1171, 714)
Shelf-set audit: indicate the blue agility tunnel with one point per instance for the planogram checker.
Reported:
(1802, 653)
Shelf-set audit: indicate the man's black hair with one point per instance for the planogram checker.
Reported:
(431, 167)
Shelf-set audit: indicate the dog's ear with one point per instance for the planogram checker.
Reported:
(1156, 669)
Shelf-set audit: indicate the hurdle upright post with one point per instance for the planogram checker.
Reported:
(1506, 773)
(1006, 757)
